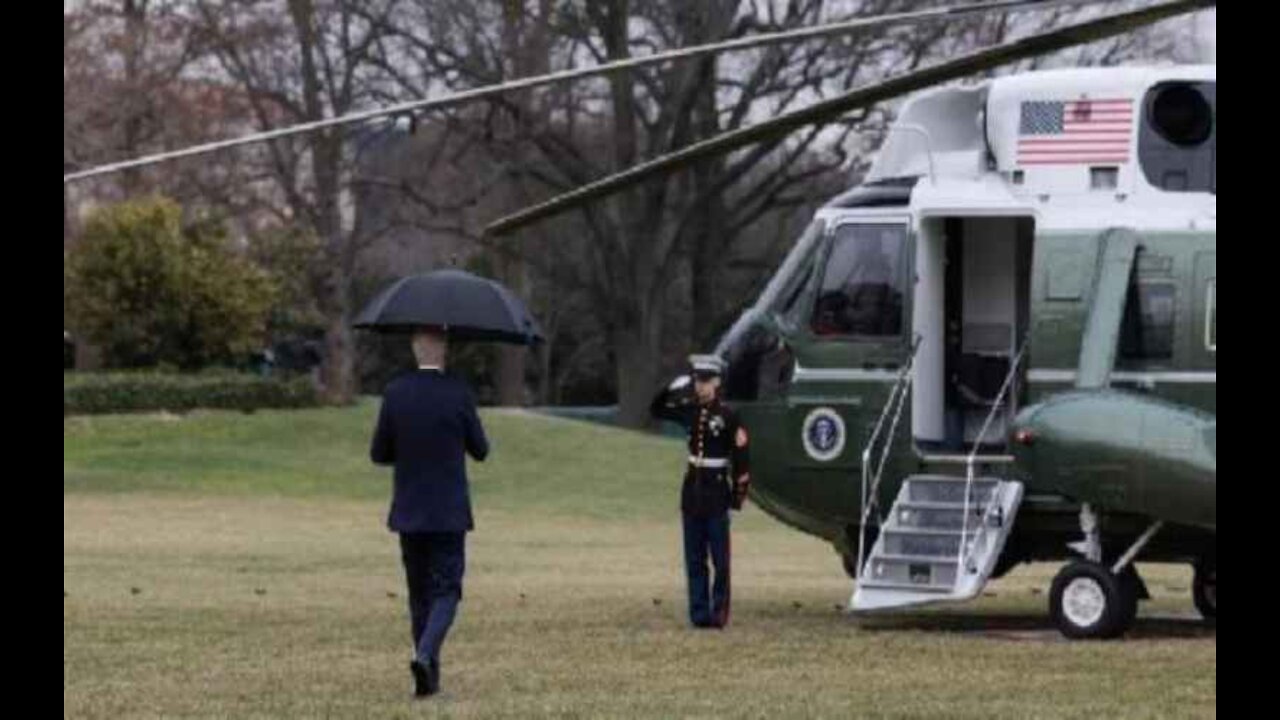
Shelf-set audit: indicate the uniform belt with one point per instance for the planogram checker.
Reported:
(709, 462)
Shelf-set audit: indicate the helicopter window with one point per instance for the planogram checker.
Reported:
(799, 255)
(1103, 178)
(862, 288)
(795, 294)
(1147, 330)
(759, 364)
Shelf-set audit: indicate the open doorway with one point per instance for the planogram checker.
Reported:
(973, 305)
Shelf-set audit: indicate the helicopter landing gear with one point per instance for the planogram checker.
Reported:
(1090, 600)
(1091, 546)
(1129, 575)
(1204, 589)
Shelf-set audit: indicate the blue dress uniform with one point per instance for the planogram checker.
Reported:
(718, 450)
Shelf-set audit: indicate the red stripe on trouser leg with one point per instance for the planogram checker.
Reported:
(723, 620)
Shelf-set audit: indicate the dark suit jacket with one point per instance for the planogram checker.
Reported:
(427, 420)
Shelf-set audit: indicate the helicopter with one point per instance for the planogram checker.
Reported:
(1029, 266)
(1041, 291)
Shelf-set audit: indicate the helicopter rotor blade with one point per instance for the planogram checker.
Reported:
(977, 61)
(943, 13)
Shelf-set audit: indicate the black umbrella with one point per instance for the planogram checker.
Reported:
(468, 306)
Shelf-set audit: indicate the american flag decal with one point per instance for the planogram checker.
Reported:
(1075, 132)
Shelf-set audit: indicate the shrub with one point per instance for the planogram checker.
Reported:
(149, 292)
(115, 392)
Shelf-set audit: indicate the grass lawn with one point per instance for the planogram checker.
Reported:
(230, 565)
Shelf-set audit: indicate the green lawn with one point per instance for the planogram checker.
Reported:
(230, 565)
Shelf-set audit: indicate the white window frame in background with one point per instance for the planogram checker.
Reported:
(1211, 296)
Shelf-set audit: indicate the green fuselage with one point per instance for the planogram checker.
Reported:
(854, 376)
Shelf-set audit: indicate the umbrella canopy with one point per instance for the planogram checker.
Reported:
(468, 306)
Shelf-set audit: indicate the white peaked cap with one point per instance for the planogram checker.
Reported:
(706, 364)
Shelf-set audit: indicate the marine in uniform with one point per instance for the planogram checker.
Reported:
(718, 452)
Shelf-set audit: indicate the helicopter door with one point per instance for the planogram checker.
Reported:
(972, 310)
(855, 340)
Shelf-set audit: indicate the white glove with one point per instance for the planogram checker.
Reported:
(680, 382)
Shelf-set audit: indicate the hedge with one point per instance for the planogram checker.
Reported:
(90, 393)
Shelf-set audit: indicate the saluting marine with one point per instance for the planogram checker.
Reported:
(718, 451)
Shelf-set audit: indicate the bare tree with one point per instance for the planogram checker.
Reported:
(636, 246)
(645, 274)
(303, 62)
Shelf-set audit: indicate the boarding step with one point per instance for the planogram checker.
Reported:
(934, 515)
(919, 542)
(908, 572)
(930, 548)
(947, 489)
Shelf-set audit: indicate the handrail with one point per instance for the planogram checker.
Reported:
(898, 393)
(902, 374)
(973, 454)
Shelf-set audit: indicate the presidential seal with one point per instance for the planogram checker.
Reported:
(823, 434)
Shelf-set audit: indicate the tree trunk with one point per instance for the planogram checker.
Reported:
(708, 241)
(529, 54)
(338, 370)
(510, 379)
(639, 361)
(511, 358)
(337, 374)
(544, 375)
(135, 18)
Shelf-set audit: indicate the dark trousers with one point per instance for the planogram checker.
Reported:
(433, 566)
(705, 536)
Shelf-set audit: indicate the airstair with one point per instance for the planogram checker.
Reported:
(943, 534)
(938, 544)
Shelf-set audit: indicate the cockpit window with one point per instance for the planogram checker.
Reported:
(787, 283)
(863, 286)
(790, 303)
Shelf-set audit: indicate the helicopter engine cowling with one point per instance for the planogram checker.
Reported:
(1121, 452)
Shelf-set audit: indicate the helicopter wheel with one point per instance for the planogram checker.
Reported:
(1204, 589)
(1087, 601)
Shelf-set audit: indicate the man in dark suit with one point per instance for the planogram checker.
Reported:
(427, 421)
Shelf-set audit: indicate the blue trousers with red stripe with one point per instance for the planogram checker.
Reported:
(707, 536)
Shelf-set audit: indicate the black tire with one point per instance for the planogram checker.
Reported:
(1088, 602)
(1204, 589)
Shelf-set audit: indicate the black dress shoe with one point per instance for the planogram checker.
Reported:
(433, 677)
(421, 679)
